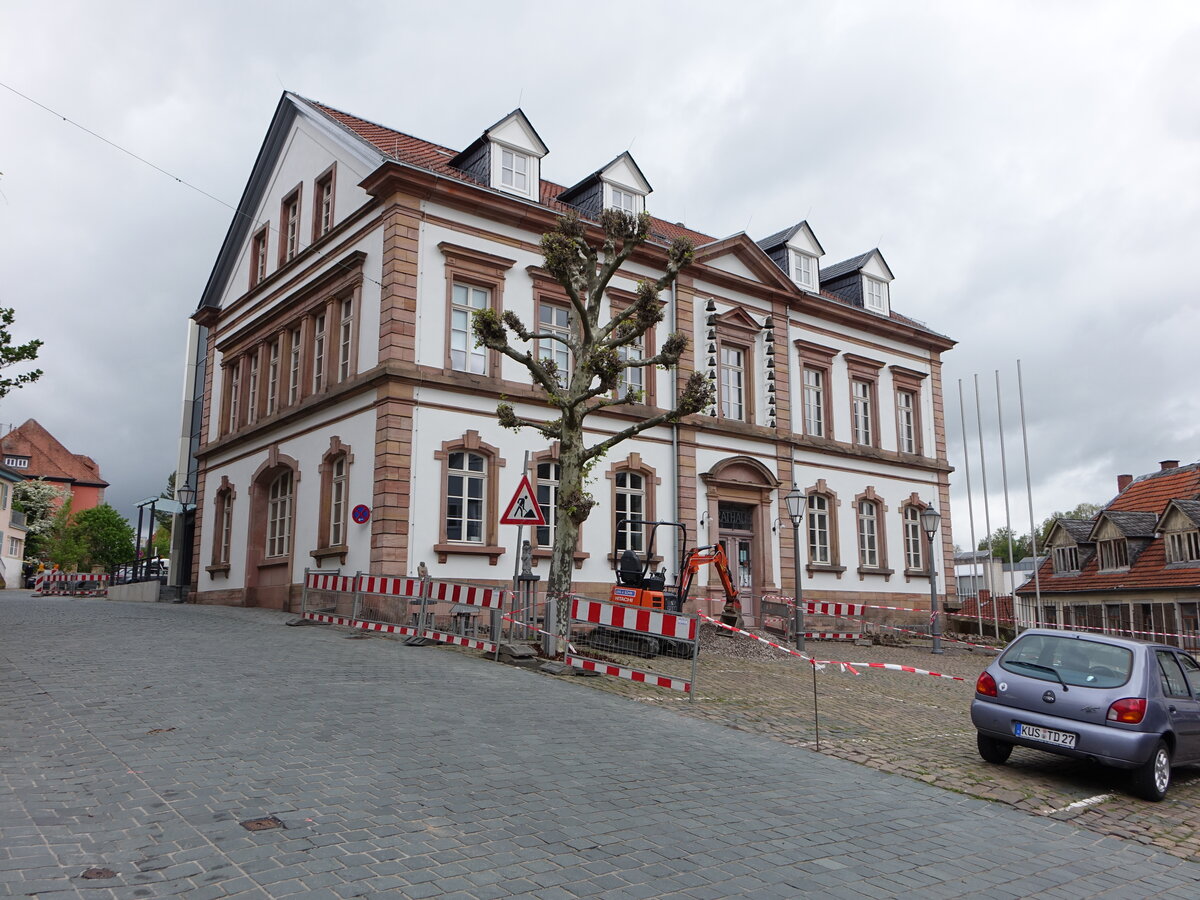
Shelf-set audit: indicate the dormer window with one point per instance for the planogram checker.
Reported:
(1114, 554)
(875, 295)
(1183, 546)
(804, 270)
(1066, 560)
(625, 201)
(514, 171)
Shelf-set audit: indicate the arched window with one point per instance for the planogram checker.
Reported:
(222, 544)
(279, 515)
(914, 556)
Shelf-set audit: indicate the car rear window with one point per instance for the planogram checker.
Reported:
(1078, 661)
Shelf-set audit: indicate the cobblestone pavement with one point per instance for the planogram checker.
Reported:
(917, 726)
(135, 738)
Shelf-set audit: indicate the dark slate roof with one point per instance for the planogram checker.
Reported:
(1132, 524)
(845, 267)
(779, 238)
(1079, 529)
(1190, 508)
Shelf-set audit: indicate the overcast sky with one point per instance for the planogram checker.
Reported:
(1030, 171)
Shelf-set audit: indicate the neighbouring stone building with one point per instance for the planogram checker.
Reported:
(332, 368)
(1133, 569)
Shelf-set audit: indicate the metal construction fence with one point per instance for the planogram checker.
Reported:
(72, 584)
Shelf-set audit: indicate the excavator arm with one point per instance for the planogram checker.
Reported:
(702, 556)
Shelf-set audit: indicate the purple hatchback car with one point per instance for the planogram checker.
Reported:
(1120, 702)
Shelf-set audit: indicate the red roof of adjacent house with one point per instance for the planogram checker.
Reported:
(48, 458)
(1150, 569)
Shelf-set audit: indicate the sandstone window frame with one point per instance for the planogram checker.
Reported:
(470, 442)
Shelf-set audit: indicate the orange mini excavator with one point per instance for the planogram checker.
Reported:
(637, 585)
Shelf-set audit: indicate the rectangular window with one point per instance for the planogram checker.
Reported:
(252, 389)
(623, 200)
(464, 355)
(634, 377)
(806, 270)
(913, 556)
(234, 370)
(16, 547)
(733, 383)
(294, 359)
(465, 483)
(17, 462)
(258, 258)
(631, 504)
(906, 412)
(863, 412)
(514, 171)
(1114, 554)
(868, 534)
(814, 402)
(548, 474)
(345, 339)
(273, 376)
(318, 379)
(875, 295)
(337, 503)
(819, 550)
(1183, 546)
(554, 318)
(289, 227)
(225, 522)
(1066, 559)
(323, 210)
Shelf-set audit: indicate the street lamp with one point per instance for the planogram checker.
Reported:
(930, 520)
(796, 503)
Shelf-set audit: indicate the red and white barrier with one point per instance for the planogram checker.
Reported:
(449, 592)
(603, 668)
(468, 642)
(72, 584)
(382, 627)
(393, 587)
(634, 618)
(341, 583)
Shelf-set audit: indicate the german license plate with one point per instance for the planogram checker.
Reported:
(1044, 735)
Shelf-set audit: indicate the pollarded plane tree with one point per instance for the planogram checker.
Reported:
(584, 259)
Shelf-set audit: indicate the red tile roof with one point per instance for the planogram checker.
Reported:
(1150, 494)
(48, 458)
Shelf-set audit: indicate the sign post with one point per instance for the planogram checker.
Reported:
(522, 510)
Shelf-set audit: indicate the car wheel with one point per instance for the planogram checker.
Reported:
(992, 750)
(1152, 778)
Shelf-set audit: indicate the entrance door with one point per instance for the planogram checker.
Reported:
(736, 535)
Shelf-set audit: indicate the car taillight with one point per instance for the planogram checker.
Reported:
(1130, 709)
(986, 685)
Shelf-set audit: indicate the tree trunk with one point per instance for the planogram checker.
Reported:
(573, 509)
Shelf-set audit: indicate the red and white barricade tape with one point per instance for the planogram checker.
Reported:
(394, 587)
(634, 618)
(340, 583)
(652, 678)
(383, 627)
(468, 642)
(449, 592)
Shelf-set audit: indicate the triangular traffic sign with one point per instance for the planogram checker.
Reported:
(523, 508)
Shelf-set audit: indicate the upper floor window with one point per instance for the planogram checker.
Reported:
(294, 358)
(906, 421)
(319, 339)
(337, 500)
(814, 401)
(733, 382)
(1114, 554)
(514, 170)
(875, 295)
(234, 406)
(805, 269)
(914, 558)
(1066, 559)
(279, 515)
(630, 498)
(862, 394)
(323, 205)
(252, 388)
(345, 338)
(555, 318)
(464, 355)
(289, 227)
(1183, 546)
(17, 462)
(633, 378)
(258, 257)
(466, 485)
(273, 376)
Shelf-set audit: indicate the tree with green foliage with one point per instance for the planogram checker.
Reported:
(11, 355)
(63, 545)
(38, 499)
(1082, 511)
(997, 543)
(594, 374)
(103, 536)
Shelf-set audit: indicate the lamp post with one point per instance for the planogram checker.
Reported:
(930, 520)
(187, 500)
(796, 503)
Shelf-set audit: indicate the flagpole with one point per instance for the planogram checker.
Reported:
(987, 515)
(962, 415)
(1033, 535)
